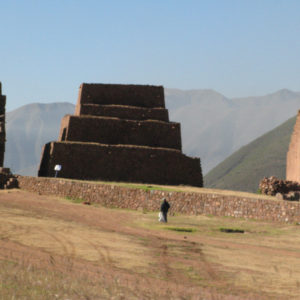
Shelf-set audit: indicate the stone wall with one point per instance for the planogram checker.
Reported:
(256, 207)
(2, 126)
(133, 95)
(293, 155)
(115, 131)
(124, 112)
(120, 163)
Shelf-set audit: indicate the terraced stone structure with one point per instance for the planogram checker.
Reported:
(293, 155)
(2, 126)
(121, 133)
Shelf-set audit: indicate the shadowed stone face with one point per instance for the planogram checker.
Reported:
(2, 126)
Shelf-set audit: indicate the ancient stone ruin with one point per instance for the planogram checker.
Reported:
(288, 189)
(282, 189)
(121, 133)
(2, 126)
(293, 155)
(7, 180)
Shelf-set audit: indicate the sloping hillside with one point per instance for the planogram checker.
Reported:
(265, 156)
(213, 126)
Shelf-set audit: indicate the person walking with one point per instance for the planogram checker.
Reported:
(164, 210)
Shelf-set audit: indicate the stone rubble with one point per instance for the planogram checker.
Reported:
(7, 179)
(282, 189)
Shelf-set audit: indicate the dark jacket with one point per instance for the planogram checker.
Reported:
(165, 206)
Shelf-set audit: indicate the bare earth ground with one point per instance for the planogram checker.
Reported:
(51, 248)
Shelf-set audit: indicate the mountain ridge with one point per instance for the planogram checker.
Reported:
(263, 157)
(212, 125)
(214, 129)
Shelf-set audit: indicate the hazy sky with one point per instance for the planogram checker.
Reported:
(238, 48)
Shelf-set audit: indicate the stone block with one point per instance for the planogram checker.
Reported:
(114, 131)
(93, 161)
(124, 112)
(132, 95)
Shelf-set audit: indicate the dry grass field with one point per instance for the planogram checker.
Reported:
(53, 248)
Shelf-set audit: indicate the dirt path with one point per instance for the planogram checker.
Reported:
(54, 233)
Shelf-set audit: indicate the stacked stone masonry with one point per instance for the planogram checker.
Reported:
(2, 126)
(293, 155)
(114, 131)
(193, 203)
(121, 133)
(119, 94)
(124, 112)
(121, 163)
(7, 180)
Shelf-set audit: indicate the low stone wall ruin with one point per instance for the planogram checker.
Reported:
(284, 189)
(192, 203)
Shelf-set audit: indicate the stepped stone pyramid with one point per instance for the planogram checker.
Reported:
(293, 155)
(121, 133)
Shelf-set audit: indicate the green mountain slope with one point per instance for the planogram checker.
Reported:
(265, 156)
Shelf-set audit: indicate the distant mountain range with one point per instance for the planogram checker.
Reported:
(28, 128)
(264, 157)
(213, 126)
